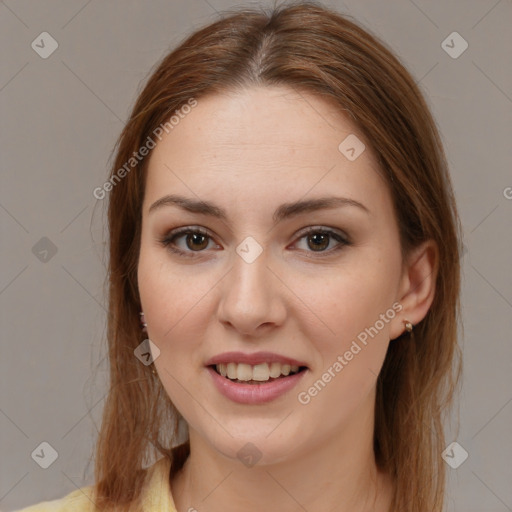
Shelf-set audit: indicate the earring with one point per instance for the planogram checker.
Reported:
(143, 324)
(144, 328)
(408, 326)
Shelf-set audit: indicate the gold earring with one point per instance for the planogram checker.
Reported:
(408, 326)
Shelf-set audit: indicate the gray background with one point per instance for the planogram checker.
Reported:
(60, 117)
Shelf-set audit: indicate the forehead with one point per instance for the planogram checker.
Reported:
(263, 143)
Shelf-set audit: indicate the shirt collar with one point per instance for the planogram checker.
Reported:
(156, 494)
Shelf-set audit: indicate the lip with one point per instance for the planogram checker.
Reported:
(253, 394)
(252, 359)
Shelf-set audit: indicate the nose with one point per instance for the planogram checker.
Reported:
(252, 297)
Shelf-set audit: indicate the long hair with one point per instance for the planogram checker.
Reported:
(314, 50)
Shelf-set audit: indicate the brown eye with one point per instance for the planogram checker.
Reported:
(319, 241)
(196, 241)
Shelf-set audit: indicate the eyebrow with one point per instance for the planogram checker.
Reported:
(284, 211)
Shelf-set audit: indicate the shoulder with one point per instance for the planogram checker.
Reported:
(156, 494)
(79, 500)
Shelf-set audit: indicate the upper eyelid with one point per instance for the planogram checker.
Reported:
(301, 233)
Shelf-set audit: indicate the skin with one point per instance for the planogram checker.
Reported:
(249, 152)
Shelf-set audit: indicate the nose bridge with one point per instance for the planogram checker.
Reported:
(250, 294)
(250, 284)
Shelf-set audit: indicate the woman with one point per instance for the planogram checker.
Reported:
(284, 279)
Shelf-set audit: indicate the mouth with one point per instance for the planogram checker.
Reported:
(258, 374)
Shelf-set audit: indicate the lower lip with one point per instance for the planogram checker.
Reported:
(254, 393)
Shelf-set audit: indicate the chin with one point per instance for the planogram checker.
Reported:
(255, 448)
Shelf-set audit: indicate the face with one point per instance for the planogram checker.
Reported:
(315, 285)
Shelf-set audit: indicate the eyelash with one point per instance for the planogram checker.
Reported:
(169, 239)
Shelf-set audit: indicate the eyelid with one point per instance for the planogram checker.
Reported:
(342, 239)
(168, 239)
(335, 233)
(324, 229)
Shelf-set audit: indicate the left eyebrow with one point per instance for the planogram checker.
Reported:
(287, 210)
(284, 211)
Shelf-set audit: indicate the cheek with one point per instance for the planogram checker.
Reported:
(349, 333)
(174, 300)
(346, 322)
(165, 291)
(345, 300)
(171, 306)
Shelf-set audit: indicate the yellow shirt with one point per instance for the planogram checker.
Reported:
(156, 494)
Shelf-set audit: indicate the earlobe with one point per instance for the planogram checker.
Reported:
(417, 286)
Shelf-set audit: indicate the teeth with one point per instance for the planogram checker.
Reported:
(232, 371)
(275, 370)
(259, 372)
(222, 369)
(244, 372)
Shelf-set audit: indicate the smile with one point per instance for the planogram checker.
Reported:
(255, 374)
(251, 391)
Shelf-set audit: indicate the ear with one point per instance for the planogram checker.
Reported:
(417, 286)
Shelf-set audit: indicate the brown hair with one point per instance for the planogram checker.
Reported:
(315, 50)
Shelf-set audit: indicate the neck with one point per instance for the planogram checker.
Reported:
(337, 473)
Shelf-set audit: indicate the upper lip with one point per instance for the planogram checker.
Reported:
(252, 359)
